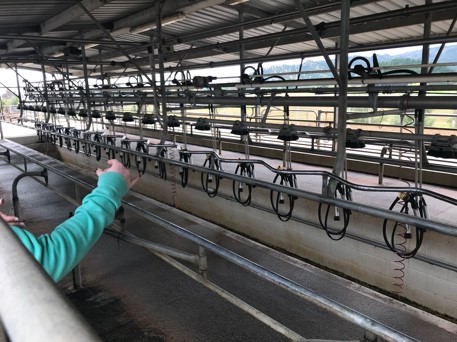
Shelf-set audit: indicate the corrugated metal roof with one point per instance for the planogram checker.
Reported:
(203, 29)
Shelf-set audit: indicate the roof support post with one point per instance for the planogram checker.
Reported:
(419, 114)
(164, 114)
(243, 109)
(86, 86)
(338, 167)
(152, 65)
(19, 91)
(45, 86)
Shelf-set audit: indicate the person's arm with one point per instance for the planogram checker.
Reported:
(60, 251)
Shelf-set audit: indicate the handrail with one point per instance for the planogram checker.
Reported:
(329, 175)
(31, 306)
(437, 226)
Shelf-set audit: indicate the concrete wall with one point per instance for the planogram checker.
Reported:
(429, 285)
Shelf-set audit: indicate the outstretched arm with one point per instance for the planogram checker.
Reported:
(61, 250)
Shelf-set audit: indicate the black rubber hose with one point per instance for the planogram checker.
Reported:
(246, 170)
(286, 180)
(336, 234)
(125, 157)
(162, 166)
(110, 151)
(184, 172)
(140, 161)
(98, 149)
(206, 178)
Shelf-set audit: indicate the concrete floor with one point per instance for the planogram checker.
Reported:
(131, 294)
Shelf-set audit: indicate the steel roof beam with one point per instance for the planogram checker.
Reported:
(60, 19)
(70, 14)
(145, 16)
(280, 18)
(315, 53)
(300, 35)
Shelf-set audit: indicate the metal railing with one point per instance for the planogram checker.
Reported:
(31, 306)
(336, 308)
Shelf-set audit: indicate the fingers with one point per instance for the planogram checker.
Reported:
(12, 220)
(116, 166)
(134, 181)
(2, 201)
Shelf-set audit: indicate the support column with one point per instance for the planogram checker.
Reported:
(162, 80)
(242, 65)
(48, 114)
(86, 87)
(343, 75)
(19, 91)
(419, 114)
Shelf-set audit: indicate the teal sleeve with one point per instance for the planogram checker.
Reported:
(61, 250)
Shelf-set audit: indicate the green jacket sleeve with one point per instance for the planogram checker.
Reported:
(61, 250)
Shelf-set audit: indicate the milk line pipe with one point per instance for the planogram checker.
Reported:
(357, 207)
(325, 132)
(403, 102)
(391, 161)
(384, 81)
(330, 175)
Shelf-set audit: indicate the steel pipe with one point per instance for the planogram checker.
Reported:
(154, 247)
(402, 102)
(31, 307)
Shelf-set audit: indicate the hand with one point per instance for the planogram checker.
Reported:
(118, 167)
(11, 220)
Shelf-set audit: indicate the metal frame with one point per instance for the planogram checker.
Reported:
(27, 294)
